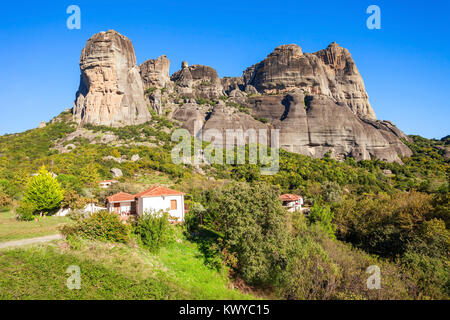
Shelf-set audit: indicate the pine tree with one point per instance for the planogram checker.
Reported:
(44, 192)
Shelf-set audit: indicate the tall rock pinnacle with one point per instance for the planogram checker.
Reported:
(111, 91)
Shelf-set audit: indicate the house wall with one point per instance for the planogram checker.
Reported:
(162, 203)
(293, 205)
(125, 207)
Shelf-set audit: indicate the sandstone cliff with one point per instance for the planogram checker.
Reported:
(331, 72)
(318, 101)
(155, 72)
(111, 91)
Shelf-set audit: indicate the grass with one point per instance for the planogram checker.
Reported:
(12, 229)
(186, 264)
(111, 271)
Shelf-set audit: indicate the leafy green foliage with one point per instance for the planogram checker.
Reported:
(102, 225)
(323, 216)
(25, 212)
(253, 224)
(44, 192)
(399, 212)
(154, 230)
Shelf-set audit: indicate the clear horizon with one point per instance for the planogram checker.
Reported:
(405, 64)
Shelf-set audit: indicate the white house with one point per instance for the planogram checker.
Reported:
(121, 203)
(292, 202)
(161, 198)
(154, 199)
(106, 183)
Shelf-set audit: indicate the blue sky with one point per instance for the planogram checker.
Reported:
(405, 65)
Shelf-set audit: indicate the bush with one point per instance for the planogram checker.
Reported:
(44, 192)
(331, 192)
(25, 211)
(194, 218)
(154, 230)
(253, 223)
(102, 225)
(323, 217)
(323, 268)
(5, 201)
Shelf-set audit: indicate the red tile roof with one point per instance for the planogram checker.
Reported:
(290, 197)
(158, 191)
(121, 196)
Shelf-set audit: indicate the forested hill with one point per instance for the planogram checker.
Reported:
(398, 213)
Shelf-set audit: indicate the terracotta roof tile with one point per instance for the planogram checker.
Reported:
(121, 196)
(157, 191)
(290, 197)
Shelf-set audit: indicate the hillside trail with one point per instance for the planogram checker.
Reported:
(23, 242)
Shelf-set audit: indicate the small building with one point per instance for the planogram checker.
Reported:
(88, 208)
(292, 202)
(106, 183)
(152, 200)
(121, 203)
(161, 198)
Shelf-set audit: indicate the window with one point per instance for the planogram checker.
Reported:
(173, 204)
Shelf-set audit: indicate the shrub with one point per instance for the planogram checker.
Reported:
(194, 218)
(154, 230)
(102, 225)
(44, 192)
(5, 201)
(73, 200)
(253, 223)
(331, 192)
(25, 211)
(323, 216)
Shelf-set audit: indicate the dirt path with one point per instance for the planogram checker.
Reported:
(23, 242)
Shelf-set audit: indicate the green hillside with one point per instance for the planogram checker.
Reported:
(362, 213)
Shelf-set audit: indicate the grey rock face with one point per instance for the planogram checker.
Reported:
(117, 173)
(198, 81)
(331, 72)
(188, 115)
(318, 101)
(135, 157)
(223, 119)
(230, 84)
(111, 91)
(315, 125)
(155, 72)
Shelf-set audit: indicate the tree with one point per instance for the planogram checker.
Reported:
(331, 192)
(44, 192)
(323, 216)
(88, 175)
(253, 223)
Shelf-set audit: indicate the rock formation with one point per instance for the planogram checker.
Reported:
(331, 72)
(198, 81)
(315, 125)
(111, 91)
(318, 101)
(155, 72)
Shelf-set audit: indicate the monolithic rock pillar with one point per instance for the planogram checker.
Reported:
(111, 91)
